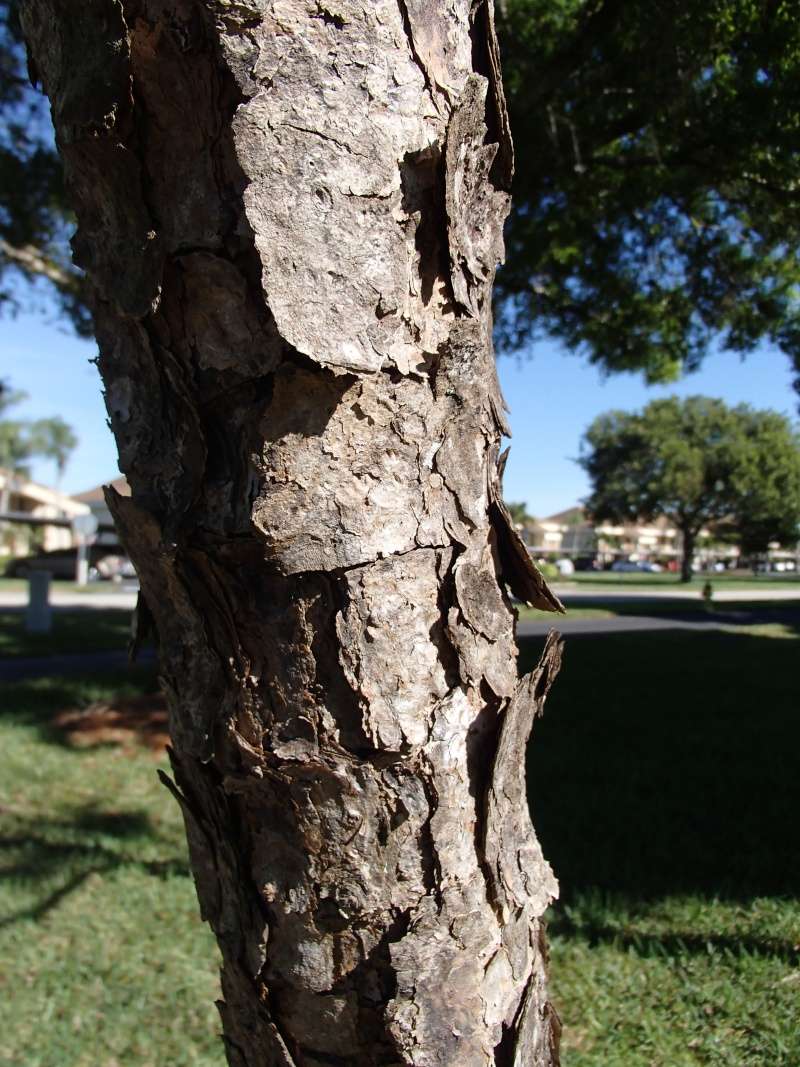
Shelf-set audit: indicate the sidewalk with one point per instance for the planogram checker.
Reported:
(124, 599)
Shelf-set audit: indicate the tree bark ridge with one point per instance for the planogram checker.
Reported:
(290, 213)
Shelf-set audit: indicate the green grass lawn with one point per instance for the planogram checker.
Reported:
(76, 630)
(665, 786)
(600, 607)
(106, 962)
(625, 580)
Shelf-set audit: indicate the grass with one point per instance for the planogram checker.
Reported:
(112, 966)
(632, 580)
(664, 787)
(603, 607)
(75, 630)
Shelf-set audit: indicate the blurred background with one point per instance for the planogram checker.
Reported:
(648, 338)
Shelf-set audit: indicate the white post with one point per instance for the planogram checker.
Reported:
(84, 527)
(82, 563)
(39, 614)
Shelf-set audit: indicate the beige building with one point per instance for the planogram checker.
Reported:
(569, 533)
(28, 510)
(95, 501)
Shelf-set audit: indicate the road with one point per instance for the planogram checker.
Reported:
(17, 669)
(14, 669)
(125, 598)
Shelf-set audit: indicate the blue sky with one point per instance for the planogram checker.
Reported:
(553, 397)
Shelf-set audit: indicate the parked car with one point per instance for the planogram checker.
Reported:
(630, 566)
(112, 568)
(105, 562)
(587, 563)
(565, 567)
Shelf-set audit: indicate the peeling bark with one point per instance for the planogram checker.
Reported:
(290, 212)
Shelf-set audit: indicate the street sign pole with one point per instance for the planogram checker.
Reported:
(82, 563)
(84, 527)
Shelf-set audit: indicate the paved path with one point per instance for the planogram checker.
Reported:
(124, 599)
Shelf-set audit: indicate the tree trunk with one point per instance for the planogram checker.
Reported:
(290, 213)
(688, 545)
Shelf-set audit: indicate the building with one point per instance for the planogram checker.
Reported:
(94, 500)
(34, 514)
(570, 534)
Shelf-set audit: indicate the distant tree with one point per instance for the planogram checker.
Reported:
(23, 439)
(698, 463)
(13, 444)
(767, 484)
(655, 194)
(519, 513)
(54, 439)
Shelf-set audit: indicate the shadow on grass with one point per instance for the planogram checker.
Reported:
(67, 851)
(40, 701)
(660, 945)
(48, 857)
(724, 612)
(75, 630)
(668, 763)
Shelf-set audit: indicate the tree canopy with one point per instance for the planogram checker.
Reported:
(35, 221)
(655, 199)
(656, 189)
(699, 463)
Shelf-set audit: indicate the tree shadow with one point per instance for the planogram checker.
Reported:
(667, 763)
(90, 708)
(75, 630)
(53, 857)
(719, 613)
(659, 945)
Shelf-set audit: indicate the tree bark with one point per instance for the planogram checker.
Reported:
(290, 212)
(687, 549)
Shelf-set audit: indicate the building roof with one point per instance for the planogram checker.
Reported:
(569, 516)
(39, 495)
(96, 495)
